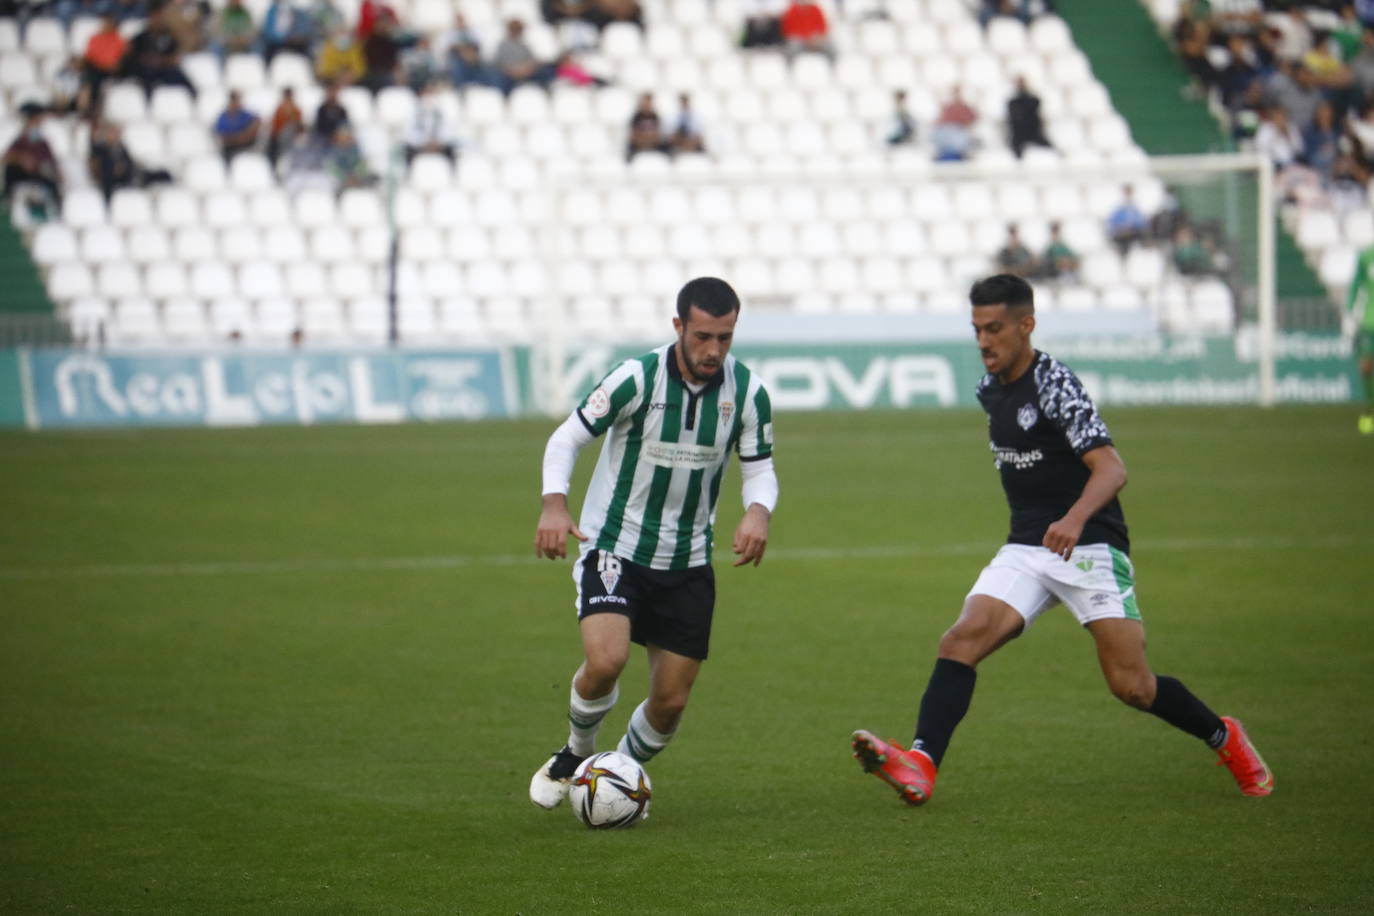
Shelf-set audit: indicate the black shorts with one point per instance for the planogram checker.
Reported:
(670, 608)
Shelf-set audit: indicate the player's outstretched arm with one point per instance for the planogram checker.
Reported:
(555, 524)
(1107, 477)
(751, 536)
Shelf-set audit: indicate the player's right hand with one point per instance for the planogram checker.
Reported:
(551, 534)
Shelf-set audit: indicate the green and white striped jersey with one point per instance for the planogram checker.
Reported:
(652, 496)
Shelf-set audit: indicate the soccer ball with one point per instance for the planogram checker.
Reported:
(610, 790)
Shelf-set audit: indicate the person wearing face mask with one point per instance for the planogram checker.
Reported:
(30, 160)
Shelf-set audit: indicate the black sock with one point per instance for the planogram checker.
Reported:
(942, 707)
(1176, 705)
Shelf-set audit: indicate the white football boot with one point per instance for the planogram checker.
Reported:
(551, 782)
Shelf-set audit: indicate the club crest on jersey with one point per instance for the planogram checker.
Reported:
(726, 409)
(598, 403)
(1026, 416)
(608, 568)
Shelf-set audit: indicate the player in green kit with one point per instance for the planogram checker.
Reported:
(1363, 283)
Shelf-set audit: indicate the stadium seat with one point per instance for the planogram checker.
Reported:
(322, 320)
(250, 173)
(1317, 229)
(135, 319)
(224, 209)
(269, 208)
(172, 105)
(194, 243)
(103, 245)
(274, 320)
(83, 207)
(368, 319)
(284, 244)
(260, 279)
(185, 321)
(292, 71)
(305, 280)
(352, 279)
(53, 243)
(165, 280)
(211, 279)
(241, 243)
(114, 281)
(244, 72)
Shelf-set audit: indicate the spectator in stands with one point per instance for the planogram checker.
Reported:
(104, 52)
(430, 131)
(1280, 141)
(1321, 141)
(902, 131)
(569, 71)
(458, 33)
(1362, 64)
(952, 134)
(1295, 36)
(646, 129)
(330, 116)
(1014, 257)
(1189, 256)
(29, 160)
(285, 28)
(154, 57)
(345, 163)
(70, 95)
(467, 68)
(1245, 16)
(288, 125)
(1347, 33)
(1126, 224)
(1193, 38)
(804, 29)
(234, 31)
(1024, 124)
(1059, 262)
(382, 54)
(762, 24)
(686, 135)
(1295, 89)
(1359, 134)
(419, 63)
(515, 61)
(340, 58)
(236, 128)
(595, 13)
(324, 18)
(111, 167)
(1240, 73)
(187, 20)
(1014, 9)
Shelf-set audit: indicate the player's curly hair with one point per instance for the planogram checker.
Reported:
(1003, 289)
(710, 294)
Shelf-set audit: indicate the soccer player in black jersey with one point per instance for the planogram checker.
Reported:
(1068, 544)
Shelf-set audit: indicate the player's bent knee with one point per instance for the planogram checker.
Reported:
(1133, 689)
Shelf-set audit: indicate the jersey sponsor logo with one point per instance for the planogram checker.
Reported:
(598, 403)
(1100, 599)
(1017, 459)
(664, 405)
(606, 599)
(768, 434)
(608, 568)
(1026, 416)
(681, 455)
(1084, 565)
(727, 408)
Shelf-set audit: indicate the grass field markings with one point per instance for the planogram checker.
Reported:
(783, 554)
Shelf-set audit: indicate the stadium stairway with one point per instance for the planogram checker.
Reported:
(1146, 82)
(19, 280)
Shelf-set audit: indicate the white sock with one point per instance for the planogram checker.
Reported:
(584, 719)
(642, 741)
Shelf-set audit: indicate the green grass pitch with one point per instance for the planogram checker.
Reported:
(311, 671)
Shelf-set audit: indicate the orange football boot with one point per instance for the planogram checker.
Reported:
(911, 773)
(1240, 757)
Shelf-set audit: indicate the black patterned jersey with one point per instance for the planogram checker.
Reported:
(1039, 427)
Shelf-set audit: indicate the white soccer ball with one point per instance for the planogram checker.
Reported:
(610, 790)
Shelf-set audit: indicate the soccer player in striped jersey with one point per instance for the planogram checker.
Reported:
(1362, 288)
(1068, 543)
(671, 418)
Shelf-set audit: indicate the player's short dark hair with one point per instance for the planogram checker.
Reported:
(713, 296)
(1003, 289)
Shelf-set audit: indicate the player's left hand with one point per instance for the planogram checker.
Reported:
(751, 537)
(1062, 537)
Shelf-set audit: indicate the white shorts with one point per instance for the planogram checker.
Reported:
(1096, 582)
